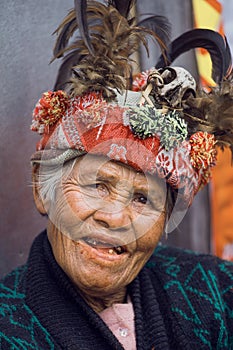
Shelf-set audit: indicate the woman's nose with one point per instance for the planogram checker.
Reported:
(113, 216)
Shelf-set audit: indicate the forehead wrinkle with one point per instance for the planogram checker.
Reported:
(123, 178)
(114, 172)
(107, 176)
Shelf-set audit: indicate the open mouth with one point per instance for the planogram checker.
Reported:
(104, 246)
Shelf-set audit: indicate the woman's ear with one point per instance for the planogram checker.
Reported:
(36, 190)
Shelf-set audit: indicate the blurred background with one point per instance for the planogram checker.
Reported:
(26, 44)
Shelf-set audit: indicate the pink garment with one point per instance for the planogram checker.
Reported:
(120, 319)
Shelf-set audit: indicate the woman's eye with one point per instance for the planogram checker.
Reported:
(140, 198)
(100, 188)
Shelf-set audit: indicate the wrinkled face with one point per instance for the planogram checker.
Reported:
(105, 223)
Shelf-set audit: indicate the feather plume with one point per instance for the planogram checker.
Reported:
(100, 58)
(160, 26)
(122, 6)
(210, 40)
(63, 76)
(208, 111)
(228, 60)
(80, 12)
(213, 112)
(65, 30)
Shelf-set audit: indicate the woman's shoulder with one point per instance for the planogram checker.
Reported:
(12, 304)
(12, 286)
(191, 270)
(165, 255)
(198, 291)
(19, 326)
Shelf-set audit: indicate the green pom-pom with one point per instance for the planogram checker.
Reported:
(146, 121)
(174, 130)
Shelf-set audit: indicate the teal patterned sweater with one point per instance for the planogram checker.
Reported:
(181, 301)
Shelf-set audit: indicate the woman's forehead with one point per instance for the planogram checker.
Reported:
(100, 167)
(103, 166)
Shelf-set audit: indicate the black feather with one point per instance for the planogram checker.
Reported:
(64, 37)
(208, 39)
(81, 17)
(228, 59)
(159, 25)
(65, 70)
(123, 6)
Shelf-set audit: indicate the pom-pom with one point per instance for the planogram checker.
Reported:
(89, 108)
(169, 127)
(173, 131)
(145, 121)
(203, 153)
(49, 109)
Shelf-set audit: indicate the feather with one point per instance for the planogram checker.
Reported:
(212, 112)
(160, 26)
(81, 17)
(104, 48)
(212, 41)
(122, 6)
(65, 32)
(65, 70)
(228, 59)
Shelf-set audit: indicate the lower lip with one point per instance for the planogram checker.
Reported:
(103, 255)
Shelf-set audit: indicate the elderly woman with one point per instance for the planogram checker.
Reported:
(113, 167)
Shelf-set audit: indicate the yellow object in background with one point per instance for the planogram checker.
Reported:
(207, 14)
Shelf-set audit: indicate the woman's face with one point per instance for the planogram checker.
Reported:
(105, 223)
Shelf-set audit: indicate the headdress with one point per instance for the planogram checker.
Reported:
(157, 121)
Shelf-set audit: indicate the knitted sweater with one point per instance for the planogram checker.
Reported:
(181, 301)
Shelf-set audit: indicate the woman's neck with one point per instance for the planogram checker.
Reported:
(99, 303)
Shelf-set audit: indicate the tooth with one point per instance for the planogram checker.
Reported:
(111, 251)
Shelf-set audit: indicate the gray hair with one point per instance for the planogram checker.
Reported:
(50, 178)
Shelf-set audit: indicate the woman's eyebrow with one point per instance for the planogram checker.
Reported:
(107, 175)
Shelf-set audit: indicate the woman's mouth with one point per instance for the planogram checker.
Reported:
(105, 247)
